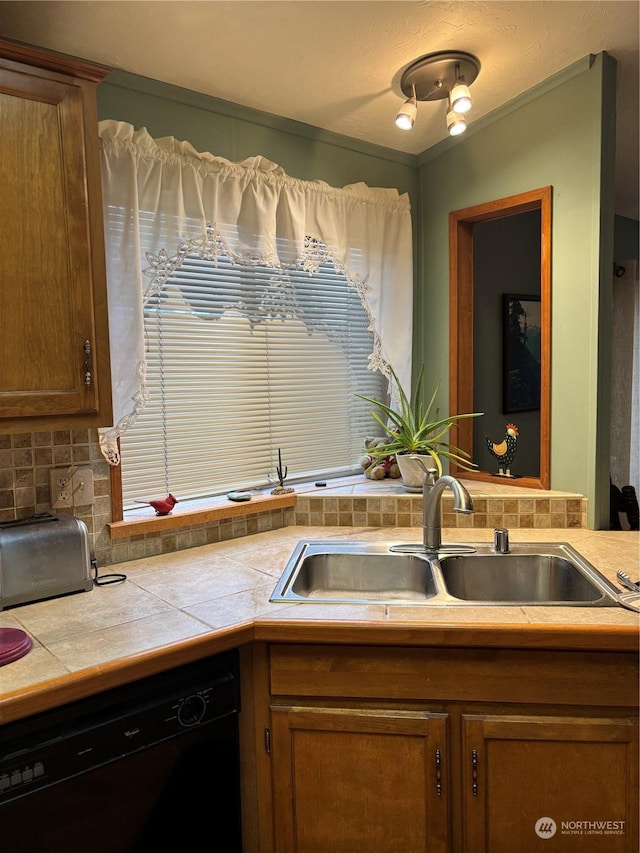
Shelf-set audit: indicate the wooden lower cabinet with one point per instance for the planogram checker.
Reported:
(368, 751)
(348, 780)
(550, 783)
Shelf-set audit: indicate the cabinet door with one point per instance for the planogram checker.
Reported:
(51, 252)
(531, 779)
(349, 779)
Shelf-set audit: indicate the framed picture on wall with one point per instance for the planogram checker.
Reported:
(521, 360)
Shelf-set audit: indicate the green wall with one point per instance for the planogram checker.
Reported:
(554, 137)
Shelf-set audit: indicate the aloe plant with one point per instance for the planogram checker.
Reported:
(410, 429)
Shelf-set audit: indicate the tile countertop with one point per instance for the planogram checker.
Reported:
(215, 596)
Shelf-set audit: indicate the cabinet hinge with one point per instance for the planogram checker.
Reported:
(267, 740)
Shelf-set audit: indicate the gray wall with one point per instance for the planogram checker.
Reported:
(626, 239)
(506, 259)
(557, 136)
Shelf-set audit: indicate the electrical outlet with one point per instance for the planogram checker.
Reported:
(60, 485)
(71, 487)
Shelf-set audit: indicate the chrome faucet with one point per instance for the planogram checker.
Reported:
(432, 490)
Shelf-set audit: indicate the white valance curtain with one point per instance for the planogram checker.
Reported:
(164, 200)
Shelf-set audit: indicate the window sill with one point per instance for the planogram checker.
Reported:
(197, 512)
(357, 501)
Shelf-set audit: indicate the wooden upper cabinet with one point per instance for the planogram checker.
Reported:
(54, 338)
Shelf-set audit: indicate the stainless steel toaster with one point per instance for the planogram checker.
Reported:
(43, 556)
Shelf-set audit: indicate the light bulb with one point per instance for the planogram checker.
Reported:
(460, 97)
(407, 114)
(456, 123)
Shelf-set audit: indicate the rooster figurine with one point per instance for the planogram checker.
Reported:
(505, 451)
(163, 506)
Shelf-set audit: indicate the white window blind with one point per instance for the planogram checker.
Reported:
(244, 360)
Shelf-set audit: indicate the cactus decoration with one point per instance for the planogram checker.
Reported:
(281, 474)
(281, 489)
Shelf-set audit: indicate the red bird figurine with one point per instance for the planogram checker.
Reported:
(164, 506)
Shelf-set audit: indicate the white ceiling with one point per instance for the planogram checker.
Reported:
(336, 65)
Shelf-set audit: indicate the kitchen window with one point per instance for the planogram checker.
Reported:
(247, 309)
(244, 360)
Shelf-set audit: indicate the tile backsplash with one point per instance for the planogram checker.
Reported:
(537, 511)
(26, 460)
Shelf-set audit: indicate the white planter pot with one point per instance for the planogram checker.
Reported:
(412, 468)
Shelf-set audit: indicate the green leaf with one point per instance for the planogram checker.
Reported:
(409, 428)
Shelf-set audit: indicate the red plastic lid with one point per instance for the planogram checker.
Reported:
(14, 643)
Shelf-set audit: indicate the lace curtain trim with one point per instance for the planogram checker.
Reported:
(108, 438)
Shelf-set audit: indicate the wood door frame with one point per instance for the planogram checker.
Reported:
(461, 224)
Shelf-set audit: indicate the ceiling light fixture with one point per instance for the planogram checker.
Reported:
(444, 74)
(407, 112)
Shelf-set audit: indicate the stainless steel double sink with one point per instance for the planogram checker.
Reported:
(474, 574)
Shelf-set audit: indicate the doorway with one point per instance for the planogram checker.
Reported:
(465, 353)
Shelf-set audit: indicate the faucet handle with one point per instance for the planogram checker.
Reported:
(501, 540)
(419, 458)
(430, 477)
(430, 474)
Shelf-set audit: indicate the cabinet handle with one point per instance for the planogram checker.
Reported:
(438, 774)
(474, 771)
(87, 363)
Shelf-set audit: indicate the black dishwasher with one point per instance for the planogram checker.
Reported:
(149, 766)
